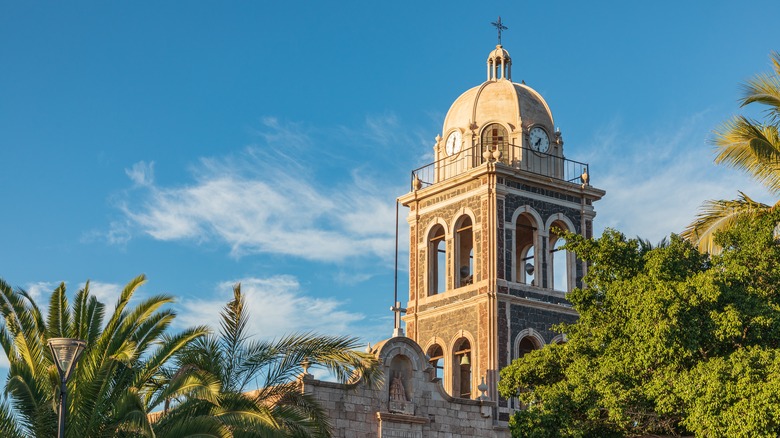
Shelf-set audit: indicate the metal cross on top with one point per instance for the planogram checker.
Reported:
(500, 27)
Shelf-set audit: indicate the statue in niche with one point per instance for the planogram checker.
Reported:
(397, 391)
(401, 388)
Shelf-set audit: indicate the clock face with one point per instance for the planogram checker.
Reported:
(538, 139)
(454, 142)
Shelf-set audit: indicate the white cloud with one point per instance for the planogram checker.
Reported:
(142, 173)
(106, 293)
(351, 278)
(277, 306)
(265, 199)
(40, 292)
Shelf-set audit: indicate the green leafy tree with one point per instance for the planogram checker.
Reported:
(258, 391)
(749, 145)
(116, 382)
(669, 341)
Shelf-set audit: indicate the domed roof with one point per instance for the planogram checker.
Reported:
(499, 100)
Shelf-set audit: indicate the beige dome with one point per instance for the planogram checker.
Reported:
(516, 106)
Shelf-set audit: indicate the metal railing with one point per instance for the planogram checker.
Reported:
(516, 157)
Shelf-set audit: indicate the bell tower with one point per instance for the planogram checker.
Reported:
(487, 276)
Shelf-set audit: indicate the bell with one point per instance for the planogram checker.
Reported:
(464, 360)
(529, 269)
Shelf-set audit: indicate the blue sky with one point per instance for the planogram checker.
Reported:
(205, 143)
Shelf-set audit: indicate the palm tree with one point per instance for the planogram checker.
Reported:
(259, 394)
(749, 145)
(117, 380)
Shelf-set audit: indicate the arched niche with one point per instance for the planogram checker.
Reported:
(401, 383)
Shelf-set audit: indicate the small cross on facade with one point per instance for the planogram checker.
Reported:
(397, 309)
(499, 27)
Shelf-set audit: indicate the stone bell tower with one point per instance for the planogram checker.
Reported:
(487, 277)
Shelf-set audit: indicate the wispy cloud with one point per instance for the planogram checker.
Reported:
(277, 307)
(40, 291)
(141, 173)
(106, 293)
(266, 199)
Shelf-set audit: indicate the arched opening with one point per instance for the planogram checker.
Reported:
(560, 339)
(461, 379)
(525, 250)
(437, 261)
(464, 252)
(559, 260)
(526, 345)
(494, 137)
(436, 359)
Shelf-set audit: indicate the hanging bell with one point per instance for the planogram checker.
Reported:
(464, 360)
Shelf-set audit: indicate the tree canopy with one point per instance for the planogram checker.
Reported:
(669, 341)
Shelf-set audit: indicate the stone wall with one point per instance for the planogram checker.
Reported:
(546, 209)
(428, 411)
(448, 213)
(448, 324)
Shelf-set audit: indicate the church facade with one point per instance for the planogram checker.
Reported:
(487, 277)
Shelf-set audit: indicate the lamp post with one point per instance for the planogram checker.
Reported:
(66, 352)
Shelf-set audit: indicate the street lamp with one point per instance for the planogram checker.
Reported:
(66, 352)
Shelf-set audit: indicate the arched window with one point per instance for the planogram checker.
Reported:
(436, 359)
(525, 250)
(464, 252)
(461, 367)
(527, 345)
(437, 261)
(494, 137)
(559, 258)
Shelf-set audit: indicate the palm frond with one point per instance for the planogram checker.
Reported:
(166, 351)
(119, 309)
(715, 216)
(32, 312)
(192, 382)
(197, 427)
(58, 324)
(750, 146)
(765, 89)
(233, 336)
(9, 426)
(117, 377)
(134, 416)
